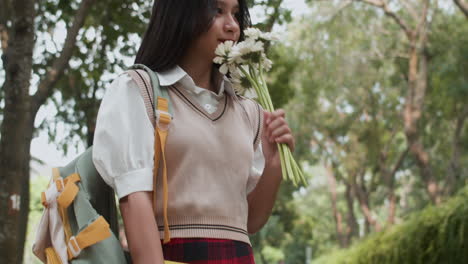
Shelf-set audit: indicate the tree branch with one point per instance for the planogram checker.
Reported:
(273, 17)
(422, 25)
(463, 6)
(341, 7)
(272, 20)
(410, 8)
(399, 162)
(46, 85)
(383, 5)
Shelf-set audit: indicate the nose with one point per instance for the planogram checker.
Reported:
(231, 25)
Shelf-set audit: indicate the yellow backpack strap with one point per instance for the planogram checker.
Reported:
(52, 192)
(52, 256)
(69, 191)
(61, 190)
(163, 119)
(64, 191)
(92, 234)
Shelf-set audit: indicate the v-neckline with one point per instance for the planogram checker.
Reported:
(189, 99)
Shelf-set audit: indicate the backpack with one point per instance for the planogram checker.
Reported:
(79, 222)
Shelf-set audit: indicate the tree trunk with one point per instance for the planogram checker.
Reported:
(417, 86)
(336, 213)
(463, 7)
(16, 133)
(18, 120)
(353, 227)
(389, 180)
(414, 103)
(363, 199)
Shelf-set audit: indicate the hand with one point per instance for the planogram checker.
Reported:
(275, 130)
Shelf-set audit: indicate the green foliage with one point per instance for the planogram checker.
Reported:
(37, 185)
(274, 11)
(281, 77)
(448, 94)
(434, 235)
(104, 47)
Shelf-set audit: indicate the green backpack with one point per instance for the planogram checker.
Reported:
(79, 224)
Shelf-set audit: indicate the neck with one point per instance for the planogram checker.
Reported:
(200, 70)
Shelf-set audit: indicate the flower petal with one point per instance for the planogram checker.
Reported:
(218, 60)
(223, 69)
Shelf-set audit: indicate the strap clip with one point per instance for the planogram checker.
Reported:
(74, 247)
(163, 119)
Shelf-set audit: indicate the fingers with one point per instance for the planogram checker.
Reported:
(277, 129)
(273, 115)
(287, 139)
(275, 124)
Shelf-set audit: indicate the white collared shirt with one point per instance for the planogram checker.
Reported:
(126, 162)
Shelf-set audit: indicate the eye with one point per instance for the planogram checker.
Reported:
(219, 10)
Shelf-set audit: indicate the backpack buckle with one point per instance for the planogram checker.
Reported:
(163, 119)
(73, 247)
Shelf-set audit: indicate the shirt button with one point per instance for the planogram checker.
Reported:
(207, 106)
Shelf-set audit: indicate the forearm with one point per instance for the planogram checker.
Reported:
(141, 228)
(262, 199)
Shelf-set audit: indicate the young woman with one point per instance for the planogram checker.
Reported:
(222, 158)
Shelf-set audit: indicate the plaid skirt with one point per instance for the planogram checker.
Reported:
(208, 251)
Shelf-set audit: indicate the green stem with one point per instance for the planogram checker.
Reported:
(289, 168)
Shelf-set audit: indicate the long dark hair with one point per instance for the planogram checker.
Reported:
(174, 25)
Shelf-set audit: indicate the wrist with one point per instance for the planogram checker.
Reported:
(273, 167)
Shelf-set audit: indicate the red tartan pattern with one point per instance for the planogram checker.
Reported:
(208, 251)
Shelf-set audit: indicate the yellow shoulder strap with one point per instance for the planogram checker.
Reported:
(93, 233)
(52, 256)
(160, 137)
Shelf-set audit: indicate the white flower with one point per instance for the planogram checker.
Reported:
(223, 49)
(219, 60)
(236, 85)
(266, 63)
(248, 46)
(235, 56)
(233, 69)
(243, 68)
(269, 36)
(256, 46)
(252, 33)
(236, 81)
(224, 68)
(250, 93)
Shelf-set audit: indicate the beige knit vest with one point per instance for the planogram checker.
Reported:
(209, 157)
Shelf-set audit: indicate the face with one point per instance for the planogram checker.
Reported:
(224, 27)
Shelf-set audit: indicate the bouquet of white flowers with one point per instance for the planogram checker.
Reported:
(245, 63)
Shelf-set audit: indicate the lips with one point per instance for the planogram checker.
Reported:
(224, 40)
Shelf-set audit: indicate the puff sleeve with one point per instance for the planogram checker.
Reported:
(123, 140)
